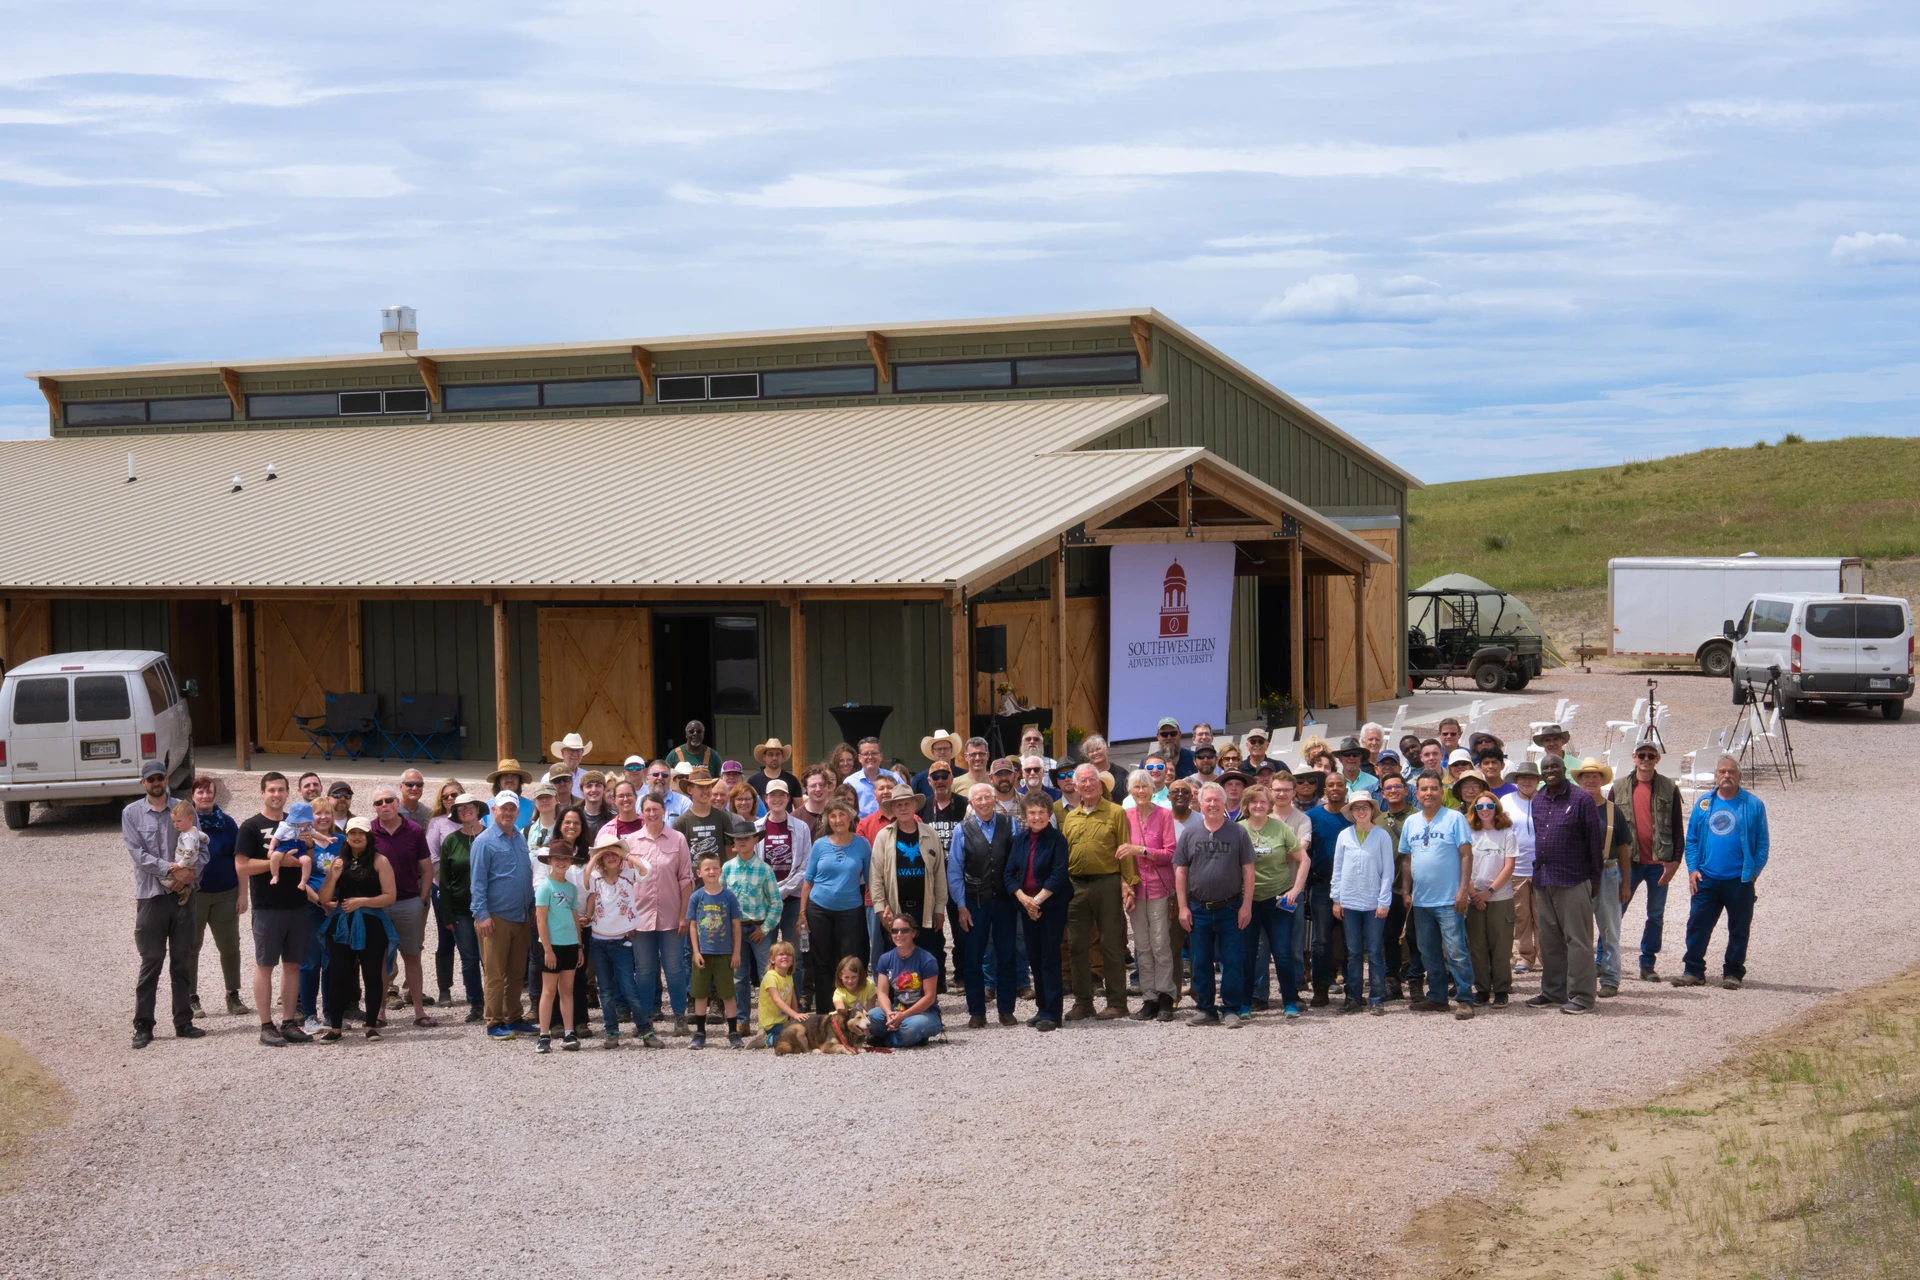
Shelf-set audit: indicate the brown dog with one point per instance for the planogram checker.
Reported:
(842, 1031)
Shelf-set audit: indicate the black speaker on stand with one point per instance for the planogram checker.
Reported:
(990, 659)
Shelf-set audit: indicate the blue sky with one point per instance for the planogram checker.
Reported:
(1487, 238)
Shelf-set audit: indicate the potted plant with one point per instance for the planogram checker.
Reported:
(1277, 709)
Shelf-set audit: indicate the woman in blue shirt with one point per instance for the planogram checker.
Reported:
(833, 899)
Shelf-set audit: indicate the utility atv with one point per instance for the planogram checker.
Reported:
(1458, 632)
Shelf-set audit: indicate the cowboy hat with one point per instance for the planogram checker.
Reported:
(1549, 731)
(1234, 775)
(942, 735)
(1350, 746)
(699, 778)
(905, 793)
(771, 744)
(1473, 774)
(608, 838)
(1591, 765)
(547, 855)
(572, 742)
(507, 765)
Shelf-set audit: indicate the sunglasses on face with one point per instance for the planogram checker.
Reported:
(385, 800)
(1484, 808)
(902, 930)
(413, 786)
(1156, 768)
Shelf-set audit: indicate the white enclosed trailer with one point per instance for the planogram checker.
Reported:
(1670, 609)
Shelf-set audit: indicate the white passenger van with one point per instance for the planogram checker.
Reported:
(1826, 647)
(75, 728)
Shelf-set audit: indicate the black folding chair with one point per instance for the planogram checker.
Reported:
(350, 718)
(429, 726)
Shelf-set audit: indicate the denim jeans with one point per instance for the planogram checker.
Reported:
(1648, 873)
(1366, 941)
(753, 963)
(993, 932)
(657, 952)
(913, 1029)
(620, 990)
(314, 965)
(467, 942)
(1270, 932)
(1217, 937)
(445, 948)
(1606, 926)
(1736, 898)
(1320, 905)
(1044, 938)
(1443, 944)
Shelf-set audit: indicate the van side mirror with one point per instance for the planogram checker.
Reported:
(1730, 630)
(192, 689)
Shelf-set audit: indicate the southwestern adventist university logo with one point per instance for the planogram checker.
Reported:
(1173, 601)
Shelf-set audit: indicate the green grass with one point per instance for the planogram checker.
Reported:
(1546, 532)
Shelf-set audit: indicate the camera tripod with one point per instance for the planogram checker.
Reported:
(1648, 730)
(1750, 741)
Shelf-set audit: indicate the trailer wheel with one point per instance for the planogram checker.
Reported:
(1717, 660)
(18, 812)
(1489, 677)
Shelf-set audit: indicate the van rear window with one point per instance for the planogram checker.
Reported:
(1830, 621)
(1880, 621)
(40, 701)
(101, 698)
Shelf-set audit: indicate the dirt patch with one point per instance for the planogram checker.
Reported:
(1896, 578)
(1793, 1158)
(34, 1102)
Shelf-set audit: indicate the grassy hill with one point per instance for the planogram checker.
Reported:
(1555, 531)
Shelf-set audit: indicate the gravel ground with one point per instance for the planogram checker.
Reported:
(1138, 1150)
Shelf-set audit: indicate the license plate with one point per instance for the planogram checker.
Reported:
(102, 749)
(1880, 684)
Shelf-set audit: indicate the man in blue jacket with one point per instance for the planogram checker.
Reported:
(502, 878)
(1726, 852)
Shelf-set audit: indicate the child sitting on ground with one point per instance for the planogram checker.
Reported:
(852, 988)
(293, 842)
(777, 1004)
(190, 845)
(714, 914)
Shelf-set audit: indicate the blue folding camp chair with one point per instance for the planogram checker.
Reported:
(429, 726)
(349, 726)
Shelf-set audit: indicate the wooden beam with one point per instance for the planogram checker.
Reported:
(1142, 329)
(1058, 581)
(6, 634)
(230, 380)
(1297, 638)
(797, 681)
(430, 374)
(1199, 533)
(877, 345)
(242, 688)
(643, 365)
(354, 677)
(1186, 501)
(962, 668)
(51, 390)
(502, 685)
(1360, 650)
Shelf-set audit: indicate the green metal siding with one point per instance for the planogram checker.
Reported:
(1086, 576)
(1243, 651)
(897, 653)
(432, 646)
(108, 624)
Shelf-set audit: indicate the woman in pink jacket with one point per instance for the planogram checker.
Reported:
(1151, 833)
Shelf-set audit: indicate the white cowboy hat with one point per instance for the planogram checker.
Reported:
(572, 742)
(942, 735)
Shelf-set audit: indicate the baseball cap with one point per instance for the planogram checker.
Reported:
(360, 824)
(505, 797)
(636, 762)
(1003, 765)
(778, 784)
(731, 766)
(1388, 754)
(1168, 722)
(340, 789)
(152, 769)
(543, 789)
(1459, 756)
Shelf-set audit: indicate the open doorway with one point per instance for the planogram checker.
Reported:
(705, 665)
(1276, 637)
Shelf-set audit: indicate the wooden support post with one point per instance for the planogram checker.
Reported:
(502, 686)
(6, 632)
(1360, 650)
(356, 679)
(242, 688)
(430, 374)
(1297, 640)
(51, 390)
(797, 681)
(230, 383)
(962, 673)
(1142, 330)
(643, 365)
(1058, 575)
(877, 348)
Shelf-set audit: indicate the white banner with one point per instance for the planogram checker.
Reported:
(1171, 614)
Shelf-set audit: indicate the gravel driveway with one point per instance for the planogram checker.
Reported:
(1129, 1149)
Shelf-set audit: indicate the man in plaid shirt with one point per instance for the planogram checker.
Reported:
(754, 884)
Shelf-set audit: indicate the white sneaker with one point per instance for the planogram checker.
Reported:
(312, 1027)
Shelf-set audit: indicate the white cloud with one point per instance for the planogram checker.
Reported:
(1866, 248)
(1339, 297)
(340, 181)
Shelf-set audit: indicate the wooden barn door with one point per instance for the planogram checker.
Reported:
(1383, 627)
(302, 650)
(596, 679)
(29, 631)
(1030, 657)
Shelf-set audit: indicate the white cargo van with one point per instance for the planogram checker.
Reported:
(1826, 647)
(75, 727)
(1668, 609)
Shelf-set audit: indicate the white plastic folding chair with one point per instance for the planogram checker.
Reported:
(1559, 717)
(1627, 726)
(1697, 766)
(1399, 723)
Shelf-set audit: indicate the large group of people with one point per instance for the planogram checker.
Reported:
(676, 895)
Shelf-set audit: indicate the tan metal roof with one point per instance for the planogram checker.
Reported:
(898, 495)
(748, 338)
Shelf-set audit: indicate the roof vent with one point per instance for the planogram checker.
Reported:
(399, 330)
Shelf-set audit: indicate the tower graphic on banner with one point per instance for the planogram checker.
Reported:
(1173, 601)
